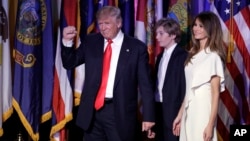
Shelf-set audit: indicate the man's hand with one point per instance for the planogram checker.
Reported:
(146, 126)
(69, 33)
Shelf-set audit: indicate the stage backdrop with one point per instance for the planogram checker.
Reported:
(43, 90)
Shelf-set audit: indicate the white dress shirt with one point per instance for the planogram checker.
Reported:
(116, 48)
(162, 71)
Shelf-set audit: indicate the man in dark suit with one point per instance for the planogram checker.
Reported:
(169, 78)
(119, 79)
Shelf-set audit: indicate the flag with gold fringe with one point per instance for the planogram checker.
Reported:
(34, 64)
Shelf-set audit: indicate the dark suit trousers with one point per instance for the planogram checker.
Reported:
(163, 133)
(103, 126)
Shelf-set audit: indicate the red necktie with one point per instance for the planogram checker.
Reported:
(99, 102)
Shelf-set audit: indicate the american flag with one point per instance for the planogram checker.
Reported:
(62, 102)
(235, 101)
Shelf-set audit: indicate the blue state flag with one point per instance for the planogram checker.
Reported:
(87, 12)
(48, 59)
(33, 67)
(127, 11)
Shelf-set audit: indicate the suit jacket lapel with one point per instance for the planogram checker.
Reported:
(171, 63)
(99, 45)
(125, 52)
(100, 52)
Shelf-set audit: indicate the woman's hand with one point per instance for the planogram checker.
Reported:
(208, 133)
(177, 126)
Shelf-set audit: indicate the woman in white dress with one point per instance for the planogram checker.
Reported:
(204, 72)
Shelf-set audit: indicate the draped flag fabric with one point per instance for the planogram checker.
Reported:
(87, 17)
(158, 9)
(140, 23)
(158, 15)
(63, 90)
(198, 6)
(150, 30)
(33, 68)
(234, 107)
(108, 2)
(178, 10)
(5, 65)
(127, 11)
(48, 60)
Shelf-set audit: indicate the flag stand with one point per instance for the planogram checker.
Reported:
(19, 136)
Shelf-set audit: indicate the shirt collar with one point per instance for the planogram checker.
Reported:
(170, 49)
(118, 38)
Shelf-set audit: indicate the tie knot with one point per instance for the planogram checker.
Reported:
(110, 41)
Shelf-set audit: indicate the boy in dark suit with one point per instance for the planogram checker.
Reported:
(169, 78)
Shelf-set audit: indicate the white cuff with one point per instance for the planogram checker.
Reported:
(67, 43)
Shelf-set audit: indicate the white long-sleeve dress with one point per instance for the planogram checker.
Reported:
(205, 64)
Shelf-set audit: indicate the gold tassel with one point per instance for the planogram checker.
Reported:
(230, 49)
